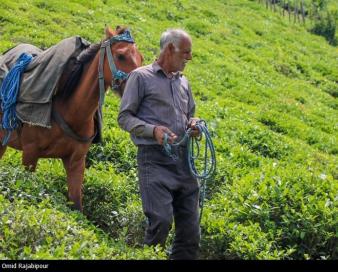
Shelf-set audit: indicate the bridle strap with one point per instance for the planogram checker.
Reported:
(101, 75)
(116, 74)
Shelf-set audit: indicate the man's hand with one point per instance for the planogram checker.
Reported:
(159, 132)
(192, 124)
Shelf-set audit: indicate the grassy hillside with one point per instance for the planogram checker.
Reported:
(267, 89)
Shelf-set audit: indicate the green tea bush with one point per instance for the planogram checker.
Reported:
(265, 143)
(267, 90)
(293, 211)
(42, 232)
(118, 216)
(16, 183)
(105, 193)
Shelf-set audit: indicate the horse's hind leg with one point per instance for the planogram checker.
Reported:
(75, 173)
(2, 147)
(2, 150)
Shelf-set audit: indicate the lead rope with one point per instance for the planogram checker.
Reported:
(193, 144)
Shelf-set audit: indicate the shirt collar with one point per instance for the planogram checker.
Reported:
(157, 68)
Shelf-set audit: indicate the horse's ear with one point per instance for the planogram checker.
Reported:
(109, 32)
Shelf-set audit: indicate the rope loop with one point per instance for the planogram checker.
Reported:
(194, 150)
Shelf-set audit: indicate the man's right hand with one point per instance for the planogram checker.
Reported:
(159, 132)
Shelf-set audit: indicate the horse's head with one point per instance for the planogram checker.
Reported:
(123, 57)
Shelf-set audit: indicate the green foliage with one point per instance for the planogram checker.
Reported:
(265, 143)
(267, 90)
(275, 212)
(34, 225)
(325, 26)
(112, 202)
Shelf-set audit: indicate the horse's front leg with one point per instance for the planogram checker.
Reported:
(75, 173)
(30, 157)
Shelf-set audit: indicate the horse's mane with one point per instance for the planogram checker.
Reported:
(66, 89)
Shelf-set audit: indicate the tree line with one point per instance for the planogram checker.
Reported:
(322, 21)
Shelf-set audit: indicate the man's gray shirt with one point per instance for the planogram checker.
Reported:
(152, 99)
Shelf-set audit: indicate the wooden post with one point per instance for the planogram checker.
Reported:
(278, 8)
(303, 12)
(289, 11)
(295, 12)
(298, 11)
(283, 7)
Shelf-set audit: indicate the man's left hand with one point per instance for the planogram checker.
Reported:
(192, 124)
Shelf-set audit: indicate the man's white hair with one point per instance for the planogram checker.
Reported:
(173, 36)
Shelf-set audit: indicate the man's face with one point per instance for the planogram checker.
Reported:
(182, 55)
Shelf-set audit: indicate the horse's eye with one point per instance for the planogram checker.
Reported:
(121, 57)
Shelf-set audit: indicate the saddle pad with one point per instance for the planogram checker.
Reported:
(39, 81)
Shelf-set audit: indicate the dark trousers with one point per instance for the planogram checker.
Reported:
(168, 192)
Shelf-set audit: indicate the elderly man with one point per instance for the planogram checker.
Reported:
(157, 100)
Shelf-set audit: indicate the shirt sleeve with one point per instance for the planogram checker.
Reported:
(131, 100)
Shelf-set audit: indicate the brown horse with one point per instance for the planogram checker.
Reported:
(76, 110)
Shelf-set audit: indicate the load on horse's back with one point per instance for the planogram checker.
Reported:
(69, 116)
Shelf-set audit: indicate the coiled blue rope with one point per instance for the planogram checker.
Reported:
(193, 149)
(8, 94)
